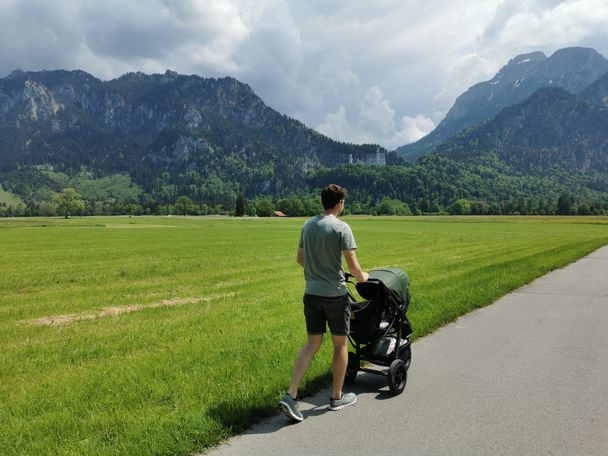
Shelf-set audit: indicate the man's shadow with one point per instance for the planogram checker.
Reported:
(311, 407)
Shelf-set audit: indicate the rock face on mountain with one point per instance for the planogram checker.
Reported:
(572, 69)
(145, 124)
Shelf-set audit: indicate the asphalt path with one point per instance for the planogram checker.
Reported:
(527, 375)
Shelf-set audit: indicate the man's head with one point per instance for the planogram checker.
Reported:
(332, 195)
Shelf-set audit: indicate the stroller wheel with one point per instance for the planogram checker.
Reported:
(397, 376)
(354, 363)
(406, 355)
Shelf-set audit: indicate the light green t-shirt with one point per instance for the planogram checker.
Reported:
(323, 239)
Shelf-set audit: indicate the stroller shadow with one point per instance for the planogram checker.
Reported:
(367, 383)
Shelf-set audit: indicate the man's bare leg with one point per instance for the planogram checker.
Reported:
(303, 360)
(339, 364)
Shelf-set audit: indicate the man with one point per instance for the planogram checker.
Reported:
(323, 241)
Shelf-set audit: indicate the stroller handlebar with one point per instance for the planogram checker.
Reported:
(348, 275)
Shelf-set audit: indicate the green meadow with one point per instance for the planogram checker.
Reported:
(8, 198)
(164, 335)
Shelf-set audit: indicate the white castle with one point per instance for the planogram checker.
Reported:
(377, 158)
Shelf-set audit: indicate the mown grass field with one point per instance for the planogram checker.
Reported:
(205, 316)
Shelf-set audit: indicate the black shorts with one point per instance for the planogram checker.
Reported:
(335, 311)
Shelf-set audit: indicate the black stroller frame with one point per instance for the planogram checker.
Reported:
(376, 323)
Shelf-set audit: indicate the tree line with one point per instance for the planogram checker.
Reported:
(434, 185)
(69, 202)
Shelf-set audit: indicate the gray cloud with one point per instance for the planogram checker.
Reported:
(120, 30)
(359, 71)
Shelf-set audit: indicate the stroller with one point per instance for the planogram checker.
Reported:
(379, 329)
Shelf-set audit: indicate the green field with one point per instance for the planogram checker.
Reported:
(163, 335)
(8, 198)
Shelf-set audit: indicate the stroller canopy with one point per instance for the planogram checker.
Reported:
(394, 279)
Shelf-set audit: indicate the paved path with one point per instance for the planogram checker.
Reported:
(527, 375)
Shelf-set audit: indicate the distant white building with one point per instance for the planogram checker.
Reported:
(377, 158)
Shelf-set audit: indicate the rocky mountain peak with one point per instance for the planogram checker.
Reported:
(170, 75)
(517, 69)
(573, 69)
(15, 74)
(577, 54)
(529, 58)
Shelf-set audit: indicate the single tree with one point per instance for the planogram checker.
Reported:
(564, 204)
(390, 206)
(424, 205)
(264, 207)
(460, 207)
(250, 209)
(184, 205)
(584, 209)
(239, 210)
(68, 202)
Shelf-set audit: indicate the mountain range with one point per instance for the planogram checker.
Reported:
(536, 131)
(572, 69)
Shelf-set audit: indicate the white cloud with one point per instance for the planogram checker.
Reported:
(336, 125)
(567, 22)
(114, 36)
(411, 130)
(375, 123)
(376, 114)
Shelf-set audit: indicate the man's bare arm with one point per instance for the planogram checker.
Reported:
(353, 266)
(300, 258)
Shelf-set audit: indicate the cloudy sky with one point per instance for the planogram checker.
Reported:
(376, 71)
